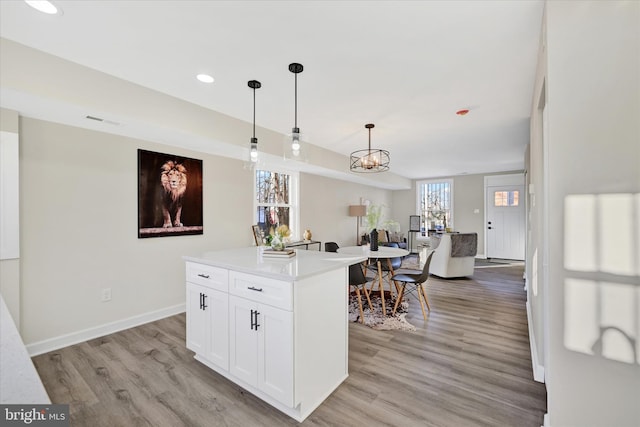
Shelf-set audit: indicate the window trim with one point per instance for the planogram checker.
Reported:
(294, 198)
(419, 185)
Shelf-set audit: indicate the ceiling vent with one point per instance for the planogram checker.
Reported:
(100, 119)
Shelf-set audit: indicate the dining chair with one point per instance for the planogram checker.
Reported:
(358, 280)
(418, 280)
(331, 247)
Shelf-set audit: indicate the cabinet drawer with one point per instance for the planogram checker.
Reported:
(206, 275)
(261, 289)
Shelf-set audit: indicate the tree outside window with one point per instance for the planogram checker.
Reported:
(273, 200)
(435, 205)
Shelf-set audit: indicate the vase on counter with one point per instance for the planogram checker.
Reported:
(306, 235)
(373, 240)
(277, 243)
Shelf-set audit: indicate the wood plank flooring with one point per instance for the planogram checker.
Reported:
(468, 364)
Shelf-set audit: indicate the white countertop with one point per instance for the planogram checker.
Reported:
(250, 260)
(19, 380)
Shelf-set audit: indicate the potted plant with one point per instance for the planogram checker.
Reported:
(374, 216)
(279, 237)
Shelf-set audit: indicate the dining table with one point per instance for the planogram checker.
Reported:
(383, 253)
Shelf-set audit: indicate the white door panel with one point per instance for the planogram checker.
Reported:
(243, 340)
(275, 376)
(505, 222)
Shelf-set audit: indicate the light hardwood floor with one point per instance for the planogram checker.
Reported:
(467, 365)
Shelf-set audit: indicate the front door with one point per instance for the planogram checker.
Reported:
(505, 221)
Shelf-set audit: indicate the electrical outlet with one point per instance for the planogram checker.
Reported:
(105, 295)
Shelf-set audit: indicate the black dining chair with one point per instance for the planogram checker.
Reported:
(358, 280)
(416, 279)
(331, 247)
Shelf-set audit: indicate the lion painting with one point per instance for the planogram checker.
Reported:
(174, 184)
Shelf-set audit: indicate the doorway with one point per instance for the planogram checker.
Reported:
(505, 216)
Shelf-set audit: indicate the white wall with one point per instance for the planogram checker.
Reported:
(10, 268)
(325, 207)
(537, 250)
(593, 100)
(468, 195)
(79, 230)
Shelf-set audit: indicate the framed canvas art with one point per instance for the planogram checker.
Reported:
(414, 222)
(169, 195)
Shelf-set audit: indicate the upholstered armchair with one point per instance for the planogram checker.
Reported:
(454, 254)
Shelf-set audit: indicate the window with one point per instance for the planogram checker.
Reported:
(435, 205)
(506, 198)
(276, 200)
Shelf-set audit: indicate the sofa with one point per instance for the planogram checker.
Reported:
(454, 254)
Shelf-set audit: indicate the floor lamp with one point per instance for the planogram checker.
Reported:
(357, 211)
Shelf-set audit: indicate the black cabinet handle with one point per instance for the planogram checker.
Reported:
(204, 276)
(251, 288)
(203, 301)
(254, 319)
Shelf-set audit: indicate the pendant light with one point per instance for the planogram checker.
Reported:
(254, 84)
(296, 69)
(370, 160)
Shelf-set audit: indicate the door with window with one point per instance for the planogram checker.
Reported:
(505, 217)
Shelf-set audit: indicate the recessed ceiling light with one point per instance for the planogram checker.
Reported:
(44, 7)
(205, 78)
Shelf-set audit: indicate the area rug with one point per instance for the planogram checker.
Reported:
(374, 318)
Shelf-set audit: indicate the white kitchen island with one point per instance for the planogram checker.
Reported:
(276, 327)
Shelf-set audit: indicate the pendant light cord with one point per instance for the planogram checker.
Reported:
(295, 120)
(254, 112)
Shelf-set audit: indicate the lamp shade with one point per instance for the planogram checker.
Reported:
(357, 210)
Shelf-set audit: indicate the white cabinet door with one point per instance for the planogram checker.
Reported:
(275, 353)
(208, 324)
(217, 305)
(197, 319)
(261, 347)
(243, 342)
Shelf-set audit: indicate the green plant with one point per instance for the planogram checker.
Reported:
(392, 226)
(374, 216)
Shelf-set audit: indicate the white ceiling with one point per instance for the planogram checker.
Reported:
(407, 67)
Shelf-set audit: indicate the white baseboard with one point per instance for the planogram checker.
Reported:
(56, 343)
(538, 368)
(546, 421)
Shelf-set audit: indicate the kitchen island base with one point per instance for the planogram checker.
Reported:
(299, 413)
(281, 336)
